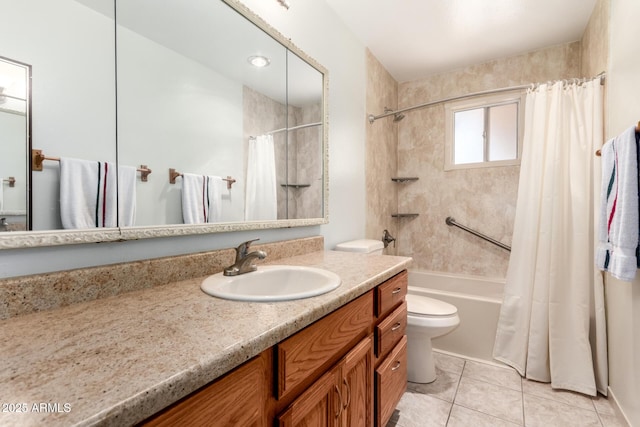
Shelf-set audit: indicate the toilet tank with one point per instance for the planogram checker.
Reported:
(366, 246)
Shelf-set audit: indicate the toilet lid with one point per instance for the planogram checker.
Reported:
(363, 245)
(425, 306)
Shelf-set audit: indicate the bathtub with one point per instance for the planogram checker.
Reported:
(478, 300)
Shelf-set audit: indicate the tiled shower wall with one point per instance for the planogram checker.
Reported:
(381, 154)
(482, 198)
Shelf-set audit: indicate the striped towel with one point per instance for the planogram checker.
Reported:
(201, 198)
(619, 228)
(88, 192)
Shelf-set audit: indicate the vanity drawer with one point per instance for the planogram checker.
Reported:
(238, 398)
(307, 354)
(391, 382)
(391, 330)
(391, 293)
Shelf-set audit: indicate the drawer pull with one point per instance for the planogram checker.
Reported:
(339, 411)
(396, 291)
(396, 367)
(348, 393)
(396, 326)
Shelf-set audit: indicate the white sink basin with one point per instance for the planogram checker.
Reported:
(272, 283)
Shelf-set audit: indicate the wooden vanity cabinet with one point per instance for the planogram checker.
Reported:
(349, 381)
(343, 396)
(346, 369)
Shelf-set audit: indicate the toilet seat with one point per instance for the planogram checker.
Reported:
(421, 306)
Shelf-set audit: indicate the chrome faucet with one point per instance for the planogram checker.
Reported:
(243, 260)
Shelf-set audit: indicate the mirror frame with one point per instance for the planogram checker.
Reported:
(29, 239)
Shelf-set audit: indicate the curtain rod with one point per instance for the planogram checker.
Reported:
(291, 128)
(295, 127)
(373, 118)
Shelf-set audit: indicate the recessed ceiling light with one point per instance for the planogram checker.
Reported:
(259, 61)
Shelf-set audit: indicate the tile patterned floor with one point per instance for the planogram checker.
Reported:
(467, 393)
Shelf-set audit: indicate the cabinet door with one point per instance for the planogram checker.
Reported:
(319, 406)
(391, 382)
(357, 385)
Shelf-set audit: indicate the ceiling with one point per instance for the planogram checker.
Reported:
(216, 36)
(416, 38)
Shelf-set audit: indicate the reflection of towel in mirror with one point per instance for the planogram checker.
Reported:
(201, 198)
(88, 191)
(127, 180)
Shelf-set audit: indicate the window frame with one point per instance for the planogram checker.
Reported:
(486, 101)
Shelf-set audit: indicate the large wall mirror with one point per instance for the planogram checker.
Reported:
(157, 119)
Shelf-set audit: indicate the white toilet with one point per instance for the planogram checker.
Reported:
(427, 318)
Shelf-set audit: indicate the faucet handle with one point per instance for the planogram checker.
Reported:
(243, 249)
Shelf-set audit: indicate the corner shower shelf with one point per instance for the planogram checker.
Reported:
(405, 215)
(404, 179)
(295, 185)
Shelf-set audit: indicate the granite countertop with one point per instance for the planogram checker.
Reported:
(118, 360)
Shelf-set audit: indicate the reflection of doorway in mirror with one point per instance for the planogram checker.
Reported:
(14, 142)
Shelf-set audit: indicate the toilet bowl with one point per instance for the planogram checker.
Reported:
(427, 318)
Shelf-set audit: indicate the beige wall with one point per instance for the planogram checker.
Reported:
(595, 41)
(623, 298)
(381, 154)
(482, 198)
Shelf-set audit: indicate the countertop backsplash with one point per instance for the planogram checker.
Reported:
(29, 294)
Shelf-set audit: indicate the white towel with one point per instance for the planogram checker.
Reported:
(127, 180)
(215, 198)
(201, 198)
(619, 219)
(87, 193)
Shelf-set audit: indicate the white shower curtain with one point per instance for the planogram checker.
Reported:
(261, 203)
(552, 322)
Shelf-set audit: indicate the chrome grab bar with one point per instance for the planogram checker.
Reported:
(452, 222)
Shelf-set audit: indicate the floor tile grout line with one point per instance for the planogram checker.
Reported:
(455, 393)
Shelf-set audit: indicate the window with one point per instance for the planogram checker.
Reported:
(484, 132)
